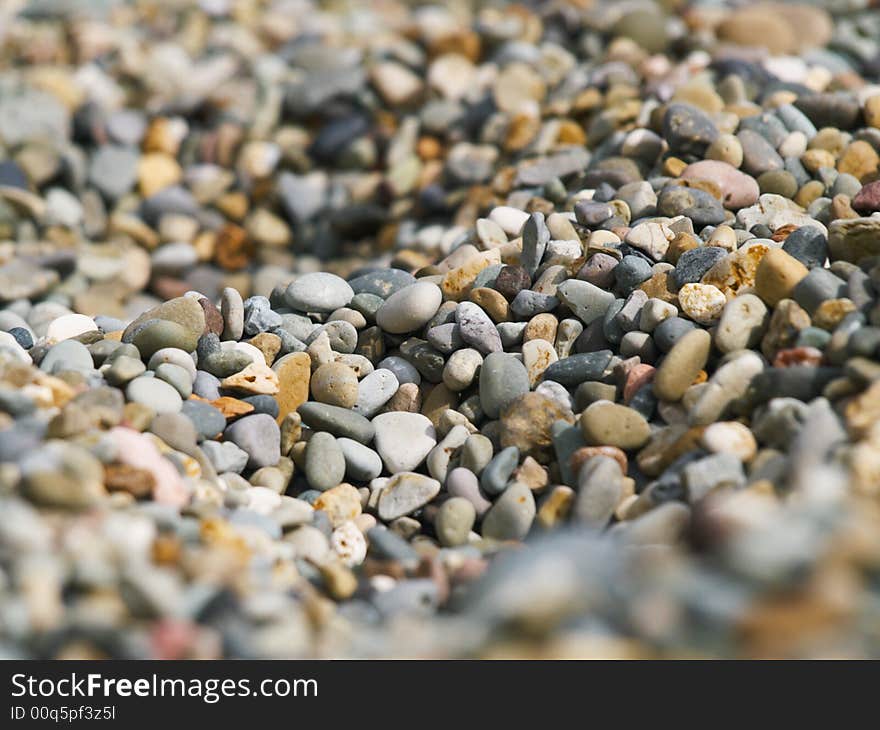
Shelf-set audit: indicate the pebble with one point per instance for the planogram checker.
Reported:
(318, 292)
(405, 493)
(682, 364)
(361, 463)
(502, 379)
(155, 393)
(325, 463)
(476, 329)
(336, 384)
(742, 324)
(454, 521)
(410, 308)
(403, 440)
(511, 515)
(258, 436)
(604, 423)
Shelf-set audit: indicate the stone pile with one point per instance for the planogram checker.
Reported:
(472, 331)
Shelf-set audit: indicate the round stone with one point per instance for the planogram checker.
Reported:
(155, 393)
(454, 521)
(162, 333)
(502, 379)
(374, 391)
(336, 384)
(208, 420)
(259, 437)
(70, 325)
(318, 292)
(325, 463)
(703, 303)
(409, 309)
(605, 423)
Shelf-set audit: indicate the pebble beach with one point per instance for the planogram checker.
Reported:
(459, 330)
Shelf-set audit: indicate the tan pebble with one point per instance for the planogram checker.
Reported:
(726, 148)
(680, 243)
(788, 319)
(267, 343)
(339, 580)
(437, 401)
(291, 431)
(815, 159)
(872, 112)
(673, 166)
(157, 171)
(407, 398)
(723, 237)
(456, 283)
(777, 275)
(859, 159)
(298, 454)
(294, 372)
(830, 313)
(556, 508)
(526, 423)
(541, 327)
(493, 302)
(682, 365)
(336, 384)
(660, 286)
(532, 474)
(809, 192)
(609, 424)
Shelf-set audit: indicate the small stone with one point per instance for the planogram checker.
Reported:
(682, 365)
(155, 393)
(588, 302)
(502, 379)
(742, 324)
(403, 440)
(476, 329)
(703, 303)
(336, 384)
(361, 463)
(409, 309)
(777, 275)
(294, 376)
(405, 493)
(600, 487)
(259, 436)
(730, 437)
(526, 424)
(454, 521)
(738, 190)
(608, 424)
(511, 516)
(60, 474)
(325, 463)
(70, 325)
(319, 292)
(336, 420)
